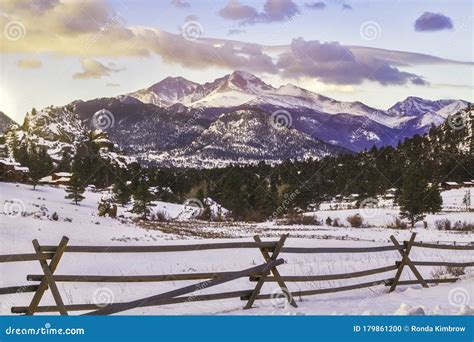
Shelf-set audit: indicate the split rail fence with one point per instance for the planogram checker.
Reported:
(267, 271)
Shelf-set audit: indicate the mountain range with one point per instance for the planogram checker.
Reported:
(241, 119)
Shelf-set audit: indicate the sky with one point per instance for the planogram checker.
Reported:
(53, 52)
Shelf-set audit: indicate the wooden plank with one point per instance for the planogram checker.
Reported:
(158, 249)
(48, 274)
(403, 262)
(406, 261)
(428, 281)
(130, 279)
(310, 250)
(18, 289)
(331, 276)
(24, 257)
(436, 246)
(153, 300)
(175, 300)
(276, 273)
(44, 284)
(443, 263)
(264, 272)
(328, 290)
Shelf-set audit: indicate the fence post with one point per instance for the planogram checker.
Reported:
(275, 272)
(405, 261)
(48, 279)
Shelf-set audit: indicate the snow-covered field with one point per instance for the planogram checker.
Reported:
(83, 226)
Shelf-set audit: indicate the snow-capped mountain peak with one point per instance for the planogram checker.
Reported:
(166, 92)
(416, 106)
(246, 82)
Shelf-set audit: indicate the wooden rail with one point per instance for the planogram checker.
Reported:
(161, 249)
(437, 246)
(267, 272)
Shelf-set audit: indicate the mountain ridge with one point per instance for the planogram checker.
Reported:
(185, 123)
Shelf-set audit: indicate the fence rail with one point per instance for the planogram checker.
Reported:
(266, 272)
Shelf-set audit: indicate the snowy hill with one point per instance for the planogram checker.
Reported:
(62, 131)
(84, 227)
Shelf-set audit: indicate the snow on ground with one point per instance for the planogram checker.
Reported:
(82, 225)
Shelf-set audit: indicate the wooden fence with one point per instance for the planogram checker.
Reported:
(265, 272)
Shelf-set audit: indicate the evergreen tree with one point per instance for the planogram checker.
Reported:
(75, 189)
(142, 198)
(39, 163)
(65, 163)
(412, 199)
(122, 193)
(433, 200)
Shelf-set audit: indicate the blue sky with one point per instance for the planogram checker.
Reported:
(70, 49)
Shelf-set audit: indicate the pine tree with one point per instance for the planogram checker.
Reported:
(413, 197)
(39, 163)
(433, 200)
(142, 200)
(122, 193)
(75, 189)
(65, 163)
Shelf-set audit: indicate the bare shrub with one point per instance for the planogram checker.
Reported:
(160, 216)
(448, 272)
(356, 221)
(443, 224)
(295, 218)
(397, 224)
(463, 226)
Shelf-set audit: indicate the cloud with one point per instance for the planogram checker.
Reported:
(107, 37)
(232, 32)
(174, 49)
(37, 6)
(336, 64)
(112, 85)
(235, 11)
(191, 17)
(279, 10)
(318, 5)
(29, 63)
(430, 21)
(346, 7)
(273, 11)
(180, 3)
(94, 69)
